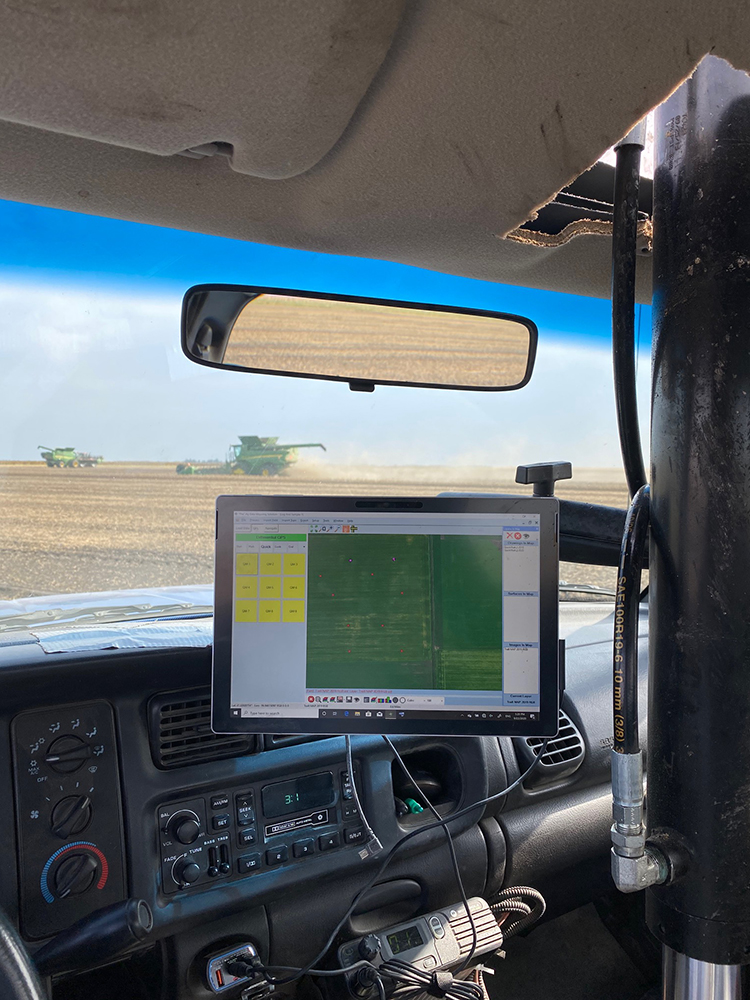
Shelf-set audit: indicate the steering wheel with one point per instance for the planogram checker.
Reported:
(18, 977)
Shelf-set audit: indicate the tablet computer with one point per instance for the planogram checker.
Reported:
(418, 615)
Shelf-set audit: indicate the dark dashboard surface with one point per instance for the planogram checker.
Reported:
(119, 789)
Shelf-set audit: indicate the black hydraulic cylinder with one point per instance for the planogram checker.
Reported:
(699, 595)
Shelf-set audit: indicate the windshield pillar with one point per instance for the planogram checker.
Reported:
(699, 703)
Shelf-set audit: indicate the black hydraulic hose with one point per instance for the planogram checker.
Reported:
(625, 658)
(624, 238)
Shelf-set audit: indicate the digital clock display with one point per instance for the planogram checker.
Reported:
(404, 940)
(314, 791)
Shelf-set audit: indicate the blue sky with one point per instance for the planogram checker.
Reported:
(90, 334)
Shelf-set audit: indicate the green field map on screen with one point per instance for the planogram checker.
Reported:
(405, 611)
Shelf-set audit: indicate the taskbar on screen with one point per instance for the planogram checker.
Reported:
(334, 713)
(406, 715)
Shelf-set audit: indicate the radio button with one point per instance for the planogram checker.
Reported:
(329, 841)
(219, 801)
(436, 926)
(355, 836)
(350, 810)
(243, 804)
(220, 822)
(319, 817)
(303, 848)
(347, 792)
(247, 836)
(249, 863)
(277, 856)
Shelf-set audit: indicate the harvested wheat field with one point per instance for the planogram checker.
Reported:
(120, 526)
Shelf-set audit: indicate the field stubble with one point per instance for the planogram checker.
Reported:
(121, 526)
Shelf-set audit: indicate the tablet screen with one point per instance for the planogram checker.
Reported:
(386, 620)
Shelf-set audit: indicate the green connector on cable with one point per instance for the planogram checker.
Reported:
(414, 807)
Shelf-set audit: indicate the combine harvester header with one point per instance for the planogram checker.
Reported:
(253, 456)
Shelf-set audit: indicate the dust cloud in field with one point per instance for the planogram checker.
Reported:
(121, 526)
(601, 486)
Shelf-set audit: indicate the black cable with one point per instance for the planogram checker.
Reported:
(451, 848)
(459, 814)
(418, 982)
(246, 967)
(519, 899)
(313, 972)
(625, 657)
(624, 240)
(371, 835)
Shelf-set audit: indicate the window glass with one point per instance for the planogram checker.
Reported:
(100, 408)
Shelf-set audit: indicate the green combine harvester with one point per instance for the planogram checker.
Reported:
(68, 458)
(253, 456)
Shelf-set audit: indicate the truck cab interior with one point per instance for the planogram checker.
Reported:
(439, 153)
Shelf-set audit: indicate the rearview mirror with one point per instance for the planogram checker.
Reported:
(362, 341)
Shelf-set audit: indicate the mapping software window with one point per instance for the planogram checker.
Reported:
(385, 613)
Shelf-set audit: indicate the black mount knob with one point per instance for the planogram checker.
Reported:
(67, 753)
(75, 874)
(543, 476)
(184, 827)
(71, 816)
(185, 871)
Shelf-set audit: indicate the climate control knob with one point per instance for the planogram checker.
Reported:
(71, 816)
(67, 754)
(76, 874)
(184, 827)
(186, 872)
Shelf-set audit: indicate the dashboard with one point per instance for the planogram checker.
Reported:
(119, 788)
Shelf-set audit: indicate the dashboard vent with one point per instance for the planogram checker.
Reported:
(564, 753)
(181, 731)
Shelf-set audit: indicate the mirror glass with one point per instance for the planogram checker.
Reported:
(361, 341)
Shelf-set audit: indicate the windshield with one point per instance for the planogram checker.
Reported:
(115, 446)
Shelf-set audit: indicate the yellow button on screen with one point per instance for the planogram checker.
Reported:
(269, 611)
(294, 586)
(246, 611)
(247, 562)
(270, 562)
(294, 611)
(294, 564)
(247, 587)
(270, 586)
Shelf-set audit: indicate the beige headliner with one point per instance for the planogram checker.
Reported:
(412, 130)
